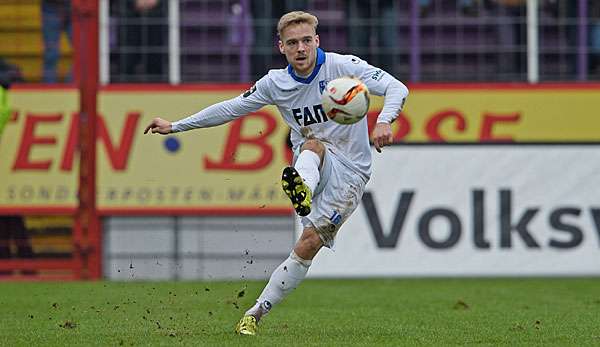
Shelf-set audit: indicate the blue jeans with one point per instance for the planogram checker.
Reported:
(56, 18)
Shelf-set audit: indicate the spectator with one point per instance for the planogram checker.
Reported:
(265, 15)
(594, 37)
(11, 227)
(56, 19)
(142, 40)
(5, 82)
(512, 38)
(9, 73)
(374, 17)
(467, 7)
(572, 35)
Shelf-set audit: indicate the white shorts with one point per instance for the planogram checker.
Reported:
(337, 195)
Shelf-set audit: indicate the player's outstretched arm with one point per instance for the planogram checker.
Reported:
(216, 114)
(159, 126)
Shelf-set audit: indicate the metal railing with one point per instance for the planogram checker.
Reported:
(417, 40)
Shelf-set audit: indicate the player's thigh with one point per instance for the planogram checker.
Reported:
(339, 198)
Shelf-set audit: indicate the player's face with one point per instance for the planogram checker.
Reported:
(299, 43)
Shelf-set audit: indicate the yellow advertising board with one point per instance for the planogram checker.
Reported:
(33, 170)
(478, 113)
(235, 168)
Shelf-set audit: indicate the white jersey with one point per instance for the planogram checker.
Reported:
(299, 102)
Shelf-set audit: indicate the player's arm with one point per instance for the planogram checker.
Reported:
(393, 102)
(217, 114)
(380, 83)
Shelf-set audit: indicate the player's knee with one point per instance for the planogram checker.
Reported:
(315, 146)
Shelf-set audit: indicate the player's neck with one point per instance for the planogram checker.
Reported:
(304, 75)
(308, 72)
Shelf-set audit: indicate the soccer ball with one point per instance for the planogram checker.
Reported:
(346, 100)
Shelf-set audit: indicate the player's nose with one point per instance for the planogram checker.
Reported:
(301, 47)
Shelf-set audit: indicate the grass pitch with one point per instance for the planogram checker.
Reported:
(320, 312)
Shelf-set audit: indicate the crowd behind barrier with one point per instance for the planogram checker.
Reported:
(234, 40)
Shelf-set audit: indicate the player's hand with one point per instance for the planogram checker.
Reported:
(159, 126)
(382, 136)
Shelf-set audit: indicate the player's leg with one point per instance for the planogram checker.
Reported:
(336, 197)
(286, 277)
(290, 273)
(299, 182)
(309, 162)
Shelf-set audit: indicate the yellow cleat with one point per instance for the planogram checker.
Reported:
(247, 326)
(294, 187)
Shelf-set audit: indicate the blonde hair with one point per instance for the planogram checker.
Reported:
(296, 17)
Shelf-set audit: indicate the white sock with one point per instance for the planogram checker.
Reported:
(307, 166)
(283, 281)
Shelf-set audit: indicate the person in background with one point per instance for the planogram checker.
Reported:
(142, 40)
(374, 17)
(5, 82)
(594, 38)
(466, 7)
(572, 34)
(512, 38)
(11, 227)
(56, 19)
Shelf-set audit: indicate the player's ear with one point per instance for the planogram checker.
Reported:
(280, 44)
(317, 40)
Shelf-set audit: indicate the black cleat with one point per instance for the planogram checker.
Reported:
(294, 187)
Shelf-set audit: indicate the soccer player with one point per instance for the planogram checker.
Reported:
(332, 161)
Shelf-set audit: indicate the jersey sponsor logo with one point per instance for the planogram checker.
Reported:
(307, 115)
(288, 90)
(377, 75)
(322, 85)
(249, 92)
